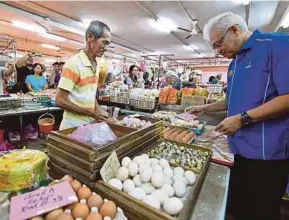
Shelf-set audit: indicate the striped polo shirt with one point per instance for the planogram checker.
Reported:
(79, 78)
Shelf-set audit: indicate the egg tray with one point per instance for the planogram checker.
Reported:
(142, 210)
(152, 120)
(181, 129)
(90, 166)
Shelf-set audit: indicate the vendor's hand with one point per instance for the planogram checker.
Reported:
(99, 117)
(230, 125)
(196, 110)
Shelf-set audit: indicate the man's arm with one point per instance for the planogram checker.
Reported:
(214, 107)
(19, 63)
(8, 72)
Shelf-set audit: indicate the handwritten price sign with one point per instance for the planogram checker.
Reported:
(110, 167)
(41, 201)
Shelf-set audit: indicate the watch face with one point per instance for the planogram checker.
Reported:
(246, 119)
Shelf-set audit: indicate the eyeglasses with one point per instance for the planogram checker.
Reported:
(219, 42)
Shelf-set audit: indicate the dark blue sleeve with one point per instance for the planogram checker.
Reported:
(280, 64)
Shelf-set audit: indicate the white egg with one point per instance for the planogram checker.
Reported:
(115, 183)
(168, 190)
(168, 172)
(122, 173)
(144, 167)
(190, 176)
(148, 123)
(168, 180)
(180, 189)
(133, 169)
(137, 193)
(137, 181)
(180, 178)
(147, 187)
(157, 179)
(152, 201)
(173, 206)
(164, 164)
(125, 161)
(157, 168)
(179, 171)
(154, 161)
(145, 156)
(145, 175)
(161, 195)
(128, 185)
(138, 160)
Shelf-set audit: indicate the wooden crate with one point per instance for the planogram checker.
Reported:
(125, 135)
(143, 211)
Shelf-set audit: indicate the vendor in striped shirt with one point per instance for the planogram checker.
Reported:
(79, 79)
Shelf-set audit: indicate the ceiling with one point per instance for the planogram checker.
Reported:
(128, 21)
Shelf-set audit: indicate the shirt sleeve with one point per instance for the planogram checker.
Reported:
(28, 80)
(280, 64)
(44, 80)
(69, 77)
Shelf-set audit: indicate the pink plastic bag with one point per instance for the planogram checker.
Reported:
(97, 134)
(5, 146)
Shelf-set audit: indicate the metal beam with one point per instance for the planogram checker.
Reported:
(247, 11)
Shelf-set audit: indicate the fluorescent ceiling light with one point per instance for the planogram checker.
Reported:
(244, 2)
(53, 37)
(50, 46)
(285, 20)
(28, 26)
(163, 24)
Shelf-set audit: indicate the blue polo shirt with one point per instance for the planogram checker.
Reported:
(259, 73)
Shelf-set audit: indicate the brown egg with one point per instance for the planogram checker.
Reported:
(66, 215)
(71, 206)
(108, 209)
(37, 218)
(76, 185)
(81, 210)
(54, 182)
(94, 216)
(68, 177)
(95, 200)
(84, 193)
(53, 215)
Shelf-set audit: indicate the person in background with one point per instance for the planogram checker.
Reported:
(24, 68)
(213, 80)
(55, 72)
(79, 79)
(171, 79)
(132, 79)
(36, 82)
(257, 123)
(61, 64)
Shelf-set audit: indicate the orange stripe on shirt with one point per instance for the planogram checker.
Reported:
(69, 74)
(87, 80)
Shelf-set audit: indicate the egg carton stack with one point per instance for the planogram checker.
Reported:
(153, 188)
(67, 156)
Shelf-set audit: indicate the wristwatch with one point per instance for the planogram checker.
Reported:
(246, 119)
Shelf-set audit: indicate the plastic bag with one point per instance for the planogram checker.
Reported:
(97, 134)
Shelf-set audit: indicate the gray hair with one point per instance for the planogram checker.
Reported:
(171, 74)
(222, 22)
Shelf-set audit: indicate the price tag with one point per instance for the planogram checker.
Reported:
(41, 201)
(110, 167)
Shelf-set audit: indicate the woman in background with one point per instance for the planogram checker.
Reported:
(132, 79)
(36, 82)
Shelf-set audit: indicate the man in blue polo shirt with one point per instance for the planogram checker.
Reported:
(257, 107)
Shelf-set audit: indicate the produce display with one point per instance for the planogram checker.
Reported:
(90, 206)
(134, 122)
(179, 135)
(154, 182)
(183, 156)
(22, 169)
(186, 124)
(163, 115)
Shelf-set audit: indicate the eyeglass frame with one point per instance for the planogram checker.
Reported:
(219, 42)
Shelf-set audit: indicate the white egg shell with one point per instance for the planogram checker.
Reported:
(164, 164)
(137, 193)
(148, 123)
(133, 169)
(107, 218)
(190, 176)
(122, 173)
(146, 174)
(168, 190)
(137, 181)
(152, 201)
(173, 206)
(161, 195)
(168, 172)
(157, 168)
(144, 167)
(179, 171)
(138, 160)
(115, 183)
(180, 178)
(145, 156)
(125, 161)
(180, 189)
(168, 180)
(157, 179)
(147, 187)
(154, 161)
(128, 185)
